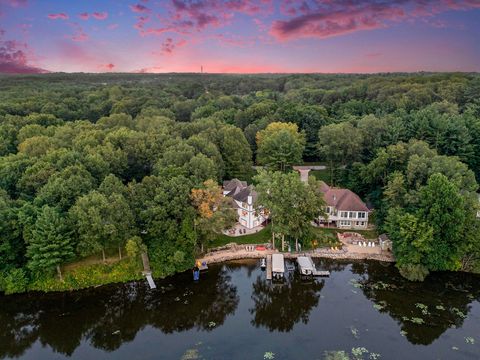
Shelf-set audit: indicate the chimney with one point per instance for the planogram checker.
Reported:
(304, 175)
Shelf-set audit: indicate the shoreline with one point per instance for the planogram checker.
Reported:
(219, 256)
(232, 252)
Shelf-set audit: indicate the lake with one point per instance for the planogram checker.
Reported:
(365, 309)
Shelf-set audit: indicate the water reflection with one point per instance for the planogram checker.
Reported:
(109, 316)
(278, 307)
(425, 310)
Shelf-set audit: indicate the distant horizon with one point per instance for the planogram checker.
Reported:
(243, 73)
(240, 36)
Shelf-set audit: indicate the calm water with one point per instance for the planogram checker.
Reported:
(233, 313)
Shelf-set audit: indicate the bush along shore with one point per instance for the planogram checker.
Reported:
(83, 275)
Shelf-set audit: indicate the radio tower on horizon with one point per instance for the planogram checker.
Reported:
(201, 69)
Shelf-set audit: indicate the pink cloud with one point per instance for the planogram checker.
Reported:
(61, 16)
(186, 16)
(79, 35)
(14, 58)
(141, 21)
(84, 16)
(337, 21)
(100, 15)
(106, 67)
(139, 8)
(323, 19)
(17, 3)
(169, 45)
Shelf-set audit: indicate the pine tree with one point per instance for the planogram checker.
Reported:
(51, 242)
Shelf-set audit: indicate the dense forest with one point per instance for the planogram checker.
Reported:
(106, 163)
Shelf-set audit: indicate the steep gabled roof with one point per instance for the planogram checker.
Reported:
(230, 185)
(243, 195)
(342, 199)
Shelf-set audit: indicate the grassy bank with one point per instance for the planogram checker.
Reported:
(261, 237)
(325, 237)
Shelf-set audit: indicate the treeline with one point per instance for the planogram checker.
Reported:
(92, 162)
(73, 189)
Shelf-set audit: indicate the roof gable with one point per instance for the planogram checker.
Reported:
(343, 199)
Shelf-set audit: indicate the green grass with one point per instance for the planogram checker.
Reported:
(368, 234)
(261, 237)
(323, 175)
(325, 237)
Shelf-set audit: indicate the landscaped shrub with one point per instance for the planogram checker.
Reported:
(13, 281)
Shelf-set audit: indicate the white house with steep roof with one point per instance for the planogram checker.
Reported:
(244, 197)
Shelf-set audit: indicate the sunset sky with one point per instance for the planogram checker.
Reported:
(239, 36)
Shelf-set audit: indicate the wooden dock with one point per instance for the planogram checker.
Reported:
(269, 267)
(321, 273)
(316, 272)
(150, 281)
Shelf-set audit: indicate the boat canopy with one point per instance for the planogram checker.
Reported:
(278, 264)
(305, 263)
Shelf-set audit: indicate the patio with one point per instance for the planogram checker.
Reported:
(240, 230)
(356, 243)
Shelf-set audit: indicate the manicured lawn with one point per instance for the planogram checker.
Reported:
(324, 237)
(323, 175)
(261, 237)
(368, 234)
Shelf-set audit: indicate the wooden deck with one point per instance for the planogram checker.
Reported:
(321, 273)
(150, 281)
(317, 272)
(269, 267)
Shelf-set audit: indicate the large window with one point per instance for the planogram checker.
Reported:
(344, 214)
(361, 215)
(351, 215)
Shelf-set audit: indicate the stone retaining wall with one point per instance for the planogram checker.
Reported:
(219, 256)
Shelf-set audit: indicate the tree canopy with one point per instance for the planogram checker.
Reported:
(113, 157)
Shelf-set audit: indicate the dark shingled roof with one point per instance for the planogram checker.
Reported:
(245, 193)
(342, 199)
(239, 190)
(230, 185)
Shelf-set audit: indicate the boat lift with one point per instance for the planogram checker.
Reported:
(307, 267)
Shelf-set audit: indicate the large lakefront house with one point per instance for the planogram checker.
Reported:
(344, 208)
(244, 197)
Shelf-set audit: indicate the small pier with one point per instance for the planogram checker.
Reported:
(150, 281)
(321, 273)
(313, 268)
(269, 267)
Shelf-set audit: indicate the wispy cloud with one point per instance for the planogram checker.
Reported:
(106, 67)
(78, 35)
(58, 16)
(14, 57)
(100, 15)
(139, 8)
(323, 19)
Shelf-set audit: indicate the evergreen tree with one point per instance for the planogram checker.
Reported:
(51, 242)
